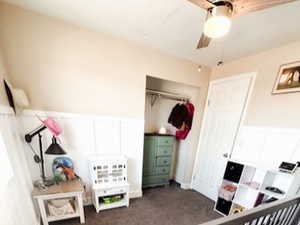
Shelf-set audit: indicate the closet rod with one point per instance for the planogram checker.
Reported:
(167, 95)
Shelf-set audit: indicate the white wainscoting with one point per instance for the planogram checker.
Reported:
(85, 135)
(16, 206)
(267, 147)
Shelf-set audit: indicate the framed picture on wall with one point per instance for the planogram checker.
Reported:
(288, 78)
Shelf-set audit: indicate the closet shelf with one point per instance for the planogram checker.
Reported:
(168, 95)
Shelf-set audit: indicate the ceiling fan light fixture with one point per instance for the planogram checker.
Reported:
(217, 26)
(218, 22)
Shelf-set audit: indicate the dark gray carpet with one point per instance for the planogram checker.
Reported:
(158, 206)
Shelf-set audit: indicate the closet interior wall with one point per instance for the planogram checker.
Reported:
(156, 116)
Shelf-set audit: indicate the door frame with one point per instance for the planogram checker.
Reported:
(251, 75)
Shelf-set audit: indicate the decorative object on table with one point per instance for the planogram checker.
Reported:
(237, 209)
(288, 78)
(52, 125)
(288, 167)
(63, 169)
(162, 130)
(275, 190)
(60, 197)
(110, 188)
(269, 199)
(17, 98)
(53, 149)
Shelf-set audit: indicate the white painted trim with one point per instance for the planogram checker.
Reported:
(65, 115)
(185, 186)
(245, 109)
(234, 77)
(136, 194)
(252, 75)
(4, 109)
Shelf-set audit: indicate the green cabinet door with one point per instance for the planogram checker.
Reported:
(149, 156)
(158, 152)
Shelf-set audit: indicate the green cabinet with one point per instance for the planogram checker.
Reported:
(158, 151)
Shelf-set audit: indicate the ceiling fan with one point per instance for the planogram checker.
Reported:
(219, 14)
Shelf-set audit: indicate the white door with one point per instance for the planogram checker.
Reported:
(225, 106)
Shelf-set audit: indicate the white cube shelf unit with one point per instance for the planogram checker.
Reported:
(244, 187)
(109, 179)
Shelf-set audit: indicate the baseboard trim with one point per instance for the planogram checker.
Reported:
(185, 186)
(136, 194)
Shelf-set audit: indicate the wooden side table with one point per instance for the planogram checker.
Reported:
(70, 189)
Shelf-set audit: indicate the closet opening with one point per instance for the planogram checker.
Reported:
(171, 132)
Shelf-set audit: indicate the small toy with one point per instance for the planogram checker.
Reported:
(63, 169)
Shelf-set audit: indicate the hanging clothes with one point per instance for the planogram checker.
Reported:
(182, 133)
(178, 115)
(186, 125)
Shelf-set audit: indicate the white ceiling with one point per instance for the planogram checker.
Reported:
(174, 26)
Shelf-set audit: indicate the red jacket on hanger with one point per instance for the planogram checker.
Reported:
(182, 133)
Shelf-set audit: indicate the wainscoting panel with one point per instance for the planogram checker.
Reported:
(16, 206)
(132, 139)
(107, 136)
(267, 147)
(84, 136)
(78, 140)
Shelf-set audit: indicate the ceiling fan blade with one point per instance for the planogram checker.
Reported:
(203, 42)
(242, 7)
(204, 4)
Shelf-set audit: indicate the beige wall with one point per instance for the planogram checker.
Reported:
(264, 108)
(66, 68)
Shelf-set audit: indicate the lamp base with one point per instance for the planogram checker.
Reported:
(43, 183)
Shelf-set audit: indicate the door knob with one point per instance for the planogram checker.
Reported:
(225, 155)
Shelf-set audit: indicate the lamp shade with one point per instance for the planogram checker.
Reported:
(218, 22)
(217, 26)
(54, 148)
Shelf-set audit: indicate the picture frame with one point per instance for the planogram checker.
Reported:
(288, 78)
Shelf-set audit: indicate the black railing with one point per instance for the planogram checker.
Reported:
(281, 212)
